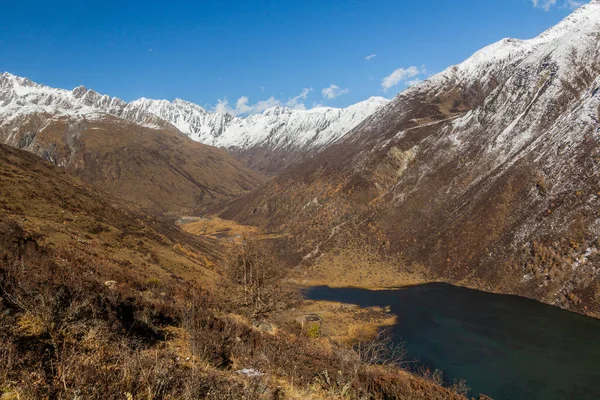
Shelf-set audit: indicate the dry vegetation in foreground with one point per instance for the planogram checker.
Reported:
(68, 334)
(98, 300)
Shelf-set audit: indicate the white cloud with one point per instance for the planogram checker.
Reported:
(297, 102)
(398, 76)
(222, 107)
(370, 56)
(414, 82)
(244, 107)
(333, 91)
(241, 105)
(548, 4)
(573, 4)
(265, 105)
(545, 4)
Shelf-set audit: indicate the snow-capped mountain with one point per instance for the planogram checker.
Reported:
(149, 162)
(268, 142)
(20, 97)
(277, 127)
(487, 174)
(543, 87)
(191, 119)
(277, 132)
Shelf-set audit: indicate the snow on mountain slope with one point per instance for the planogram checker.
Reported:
(282, 129)
(275, 128)
(268, 142)
(486, 175)
(550, 80)
(191, 119)
(508, 53)
(20, 97)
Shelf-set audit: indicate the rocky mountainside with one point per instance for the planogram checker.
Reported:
(21, 97)
(268, 142)
(486, 174)
(149, 163)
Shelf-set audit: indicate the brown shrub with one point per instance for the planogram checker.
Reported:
(381, 350)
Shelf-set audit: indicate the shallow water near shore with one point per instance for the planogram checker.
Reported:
(506, 347)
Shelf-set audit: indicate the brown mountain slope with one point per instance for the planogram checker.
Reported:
(99, 300)
(485, 175)
(59, 211)
(160, 169)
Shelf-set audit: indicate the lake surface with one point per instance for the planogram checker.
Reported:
(504, 346)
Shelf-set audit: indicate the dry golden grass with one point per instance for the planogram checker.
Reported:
(346, 323)
(350, 267)
(62, 212)
(222, 229)
(30, 324)
(216, 228)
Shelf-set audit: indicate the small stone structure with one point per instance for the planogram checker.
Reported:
(309, 320)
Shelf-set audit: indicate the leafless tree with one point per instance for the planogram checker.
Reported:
(382, 350)
(254, 269)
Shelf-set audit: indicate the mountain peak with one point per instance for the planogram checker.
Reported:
(585, 14)
(16, 80)
(583, 22)
(79, 91)
(184, 103)
(276, 128)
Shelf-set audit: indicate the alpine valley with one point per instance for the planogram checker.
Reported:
(484, 175)
(156, 249)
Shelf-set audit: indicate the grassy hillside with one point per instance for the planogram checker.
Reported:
(99, 300)
(160, 169)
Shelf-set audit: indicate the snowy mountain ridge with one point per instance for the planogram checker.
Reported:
(277, 127)
(511, 51)
(280, 136)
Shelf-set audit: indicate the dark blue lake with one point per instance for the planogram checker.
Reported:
(507, 347)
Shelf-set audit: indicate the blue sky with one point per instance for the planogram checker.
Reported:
(247, 55)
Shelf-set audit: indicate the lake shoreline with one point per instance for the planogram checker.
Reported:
(307, 284)
(500, 344)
